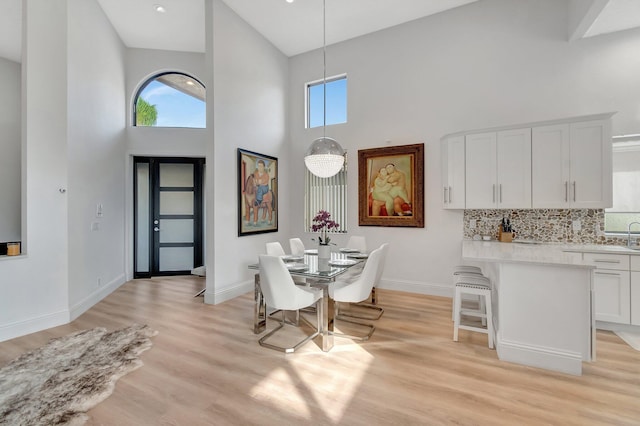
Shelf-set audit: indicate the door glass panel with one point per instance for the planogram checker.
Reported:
(176, 175)
(176, 202)
(142, 224)
(176, 230)
(176, 258)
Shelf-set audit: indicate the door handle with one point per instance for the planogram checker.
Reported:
(449, 194)
(566, 191)
(156, 229)
(574, 191)
(445, 194)
(494, 192)
(500, 192)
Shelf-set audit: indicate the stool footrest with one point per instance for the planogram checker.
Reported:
(472, 328)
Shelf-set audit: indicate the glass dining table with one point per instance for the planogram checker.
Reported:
(320, 274)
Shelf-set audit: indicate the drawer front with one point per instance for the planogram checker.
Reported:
(607, 260)
(635, 263)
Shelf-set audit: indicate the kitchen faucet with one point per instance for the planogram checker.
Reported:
(629, 233)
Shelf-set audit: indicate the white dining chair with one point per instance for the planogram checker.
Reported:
(355, 291)
(297, 246)
(281, 293)
(357, 242)
(275, 249)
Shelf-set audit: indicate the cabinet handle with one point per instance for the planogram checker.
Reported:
(566, 191)
(617, 274)
(494, 192)
(500, 192)
(445, 194)
(450, 194)
(574, 191)
(605, 261)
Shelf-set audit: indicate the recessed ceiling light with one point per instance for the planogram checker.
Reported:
(190, 83)
(159, 8)
(290, 1)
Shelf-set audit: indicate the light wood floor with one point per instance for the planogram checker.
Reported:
(206, 368)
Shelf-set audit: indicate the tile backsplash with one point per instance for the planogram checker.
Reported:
(544, 225)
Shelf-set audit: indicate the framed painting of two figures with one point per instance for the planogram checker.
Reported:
(257, 193)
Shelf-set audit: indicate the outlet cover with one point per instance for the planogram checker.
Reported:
(577, 225)
(472, 224)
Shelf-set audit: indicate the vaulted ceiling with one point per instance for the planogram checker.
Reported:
(297, 27)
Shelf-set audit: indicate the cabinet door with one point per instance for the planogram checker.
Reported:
(612, 292)
(454, 173)
(635, 298)
(514, 169)
(480, 179)
(590, 150)
(550, 166)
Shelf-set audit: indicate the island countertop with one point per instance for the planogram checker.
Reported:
(544, 254)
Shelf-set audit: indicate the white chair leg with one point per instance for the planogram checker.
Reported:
(457, 303)
(489, 320)
(483, 308)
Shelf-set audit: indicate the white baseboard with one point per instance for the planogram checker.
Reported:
(95, 297)
(31, 325)
(612, 326)
(541, 357)
(418, 287)
(228, 293)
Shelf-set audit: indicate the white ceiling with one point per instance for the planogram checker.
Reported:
(292, 27)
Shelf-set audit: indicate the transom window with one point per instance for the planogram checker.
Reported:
(336, 101)
(171, 100)
(626, 186)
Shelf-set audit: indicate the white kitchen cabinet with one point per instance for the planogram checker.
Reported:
(612, 287)
(453, 172)
(498, 169)
(571, 165)
(635, 298)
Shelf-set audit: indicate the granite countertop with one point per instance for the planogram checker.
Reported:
(546, 254)
(533, 252)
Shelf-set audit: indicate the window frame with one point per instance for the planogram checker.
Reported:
(636, 231)
(307, 98)
(150, 80)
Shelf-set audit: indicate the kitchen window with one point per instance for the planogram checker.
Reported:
(336, 101)
(626, 186)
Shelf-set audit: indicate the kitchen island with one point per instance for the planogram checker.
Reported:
(542, 303)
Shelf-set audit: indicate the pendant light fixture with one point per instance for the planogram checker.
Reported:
(325, 156)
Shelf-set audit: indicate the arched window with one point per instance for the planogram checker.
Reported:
(170, 99)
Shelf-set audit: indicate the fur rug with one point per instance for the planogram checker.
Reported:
(60, 382)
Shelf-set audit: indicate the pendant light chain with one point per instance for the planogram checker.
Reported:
(324, 67)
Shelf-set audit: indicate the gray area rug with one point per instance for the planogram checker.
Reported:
(59, 382)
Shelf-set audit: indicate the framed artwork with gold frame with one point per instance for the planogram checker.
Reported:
(391, 186)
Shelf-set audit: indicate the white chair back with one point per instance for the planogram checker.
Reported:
(275, 249)
(359, 289)
(278, 288)
(297, 246)
(384, 247)
(357, 242)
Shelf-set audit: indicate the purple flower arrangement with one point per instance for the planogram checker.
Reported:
(322, 223)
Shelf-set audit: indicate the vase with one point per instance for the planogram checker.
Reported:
(324, 255)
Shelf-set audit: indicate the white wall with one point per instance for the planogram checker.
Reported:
(34, 286)
(249, 101)
(142, 64)
(73, 157)
(10, 187)
(96, 147)
(491, 63)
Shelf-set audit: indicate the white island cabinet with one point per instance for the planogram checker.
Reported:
(542, 303)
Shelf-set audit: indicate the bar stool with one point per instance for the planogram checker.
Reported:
(464, 270)
(480, 286)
